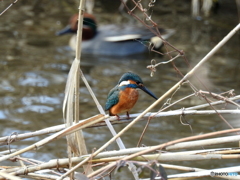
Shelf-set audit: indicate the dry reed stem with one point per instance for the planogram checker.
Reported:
(69, 130)
(81, 142)
(7, 151)
(107, 155)
(9, 176)
(177, 167)
(65, 162)
(161, 146)
(204, 142)
(75, 142)
(212, 103)
(41, 176)
(16, 137)
(170, 156)
(114, 120)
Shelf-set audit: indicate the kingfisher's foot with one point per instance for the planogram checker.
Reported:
(118, 118)
(128, 117)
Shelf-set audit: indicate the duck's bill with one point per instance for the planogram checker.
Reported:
(148, 91)
(66, 30)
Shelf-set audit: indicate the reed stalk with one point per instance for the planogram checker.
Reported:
(160, 156)
(114, 120)
(9, 176)
(161, 146)
(69, 130)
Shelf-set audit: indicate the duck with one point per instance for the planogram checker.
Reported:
(112, 40)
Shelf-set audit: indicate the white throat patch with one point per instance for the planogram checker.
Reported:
(124, 83)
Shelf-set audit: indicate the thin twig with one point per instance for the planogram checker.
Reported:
(153, 66)
(8, 7)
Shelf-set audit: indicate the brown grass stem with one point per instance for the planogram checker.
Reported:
(55, 136)
(161, 146)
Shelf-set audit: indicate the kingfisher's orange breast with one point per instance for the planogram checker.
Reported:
(127, 99)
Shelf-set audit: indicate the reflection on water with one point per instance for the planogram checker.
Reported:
(34, 65)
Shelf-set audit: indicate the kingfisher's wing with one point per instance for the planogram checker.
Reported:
(113, 98)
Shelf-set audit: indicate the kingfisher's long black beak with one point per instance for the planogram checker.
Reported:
(147, 91)
(66, 30)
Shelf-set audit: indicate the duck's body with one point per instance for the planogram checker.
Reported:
(103, 42)
(124, 95)
(113, 40)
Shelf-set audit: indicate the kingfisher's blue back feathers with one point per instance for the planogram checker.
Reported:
(113, 98)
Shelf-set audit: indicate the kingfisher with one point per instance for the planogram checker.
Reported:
(124, 95)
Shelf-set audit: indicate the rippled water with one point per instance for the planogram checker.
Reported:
(34, 64)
